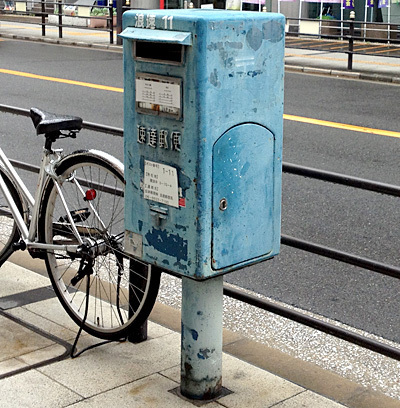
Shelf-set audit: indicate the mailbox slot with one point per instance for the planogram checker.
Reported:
(163, 53)
(158, 46)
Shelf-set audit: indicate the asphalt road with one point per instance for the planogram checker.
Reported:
(354, 221)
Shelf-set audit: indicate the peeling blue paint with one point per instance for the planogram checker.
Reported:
(254, 38)
(253, 74)
(180, 266)
(170, 244)
(204, 354)
(229, 62)
(214, 46)
(214, 79)
(195, 334)
(184, 181)
(234, 44)
(273, 31)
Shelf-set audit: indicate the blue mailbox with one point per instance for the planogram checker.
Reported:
(203, 117)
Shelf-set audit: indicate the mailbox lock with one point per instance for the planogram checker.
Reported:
(223, 204)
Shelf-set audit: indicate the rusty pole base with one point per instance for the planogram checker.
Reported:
(201, 341)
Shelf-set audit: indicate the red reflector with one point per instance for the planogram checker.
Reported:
(90, 194)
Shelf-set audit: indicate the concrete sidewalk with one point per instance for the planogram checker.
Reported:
(36, 370)
(367, 67)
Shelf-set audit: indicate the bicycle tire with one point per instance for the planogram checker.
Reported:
(9, 232)
(122, 290)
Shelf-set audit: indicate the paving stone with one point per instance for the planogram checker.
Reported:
(15, 280)
(308, 399)
(151, 391)
(33, 389)
(16, 340)
(10, 365)
(116, 364)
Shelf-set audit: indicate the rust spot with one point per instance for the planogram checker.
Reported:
(212, 393)
(188, 369)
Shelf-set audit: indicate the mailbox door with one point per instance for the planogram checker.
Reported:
(243, 183)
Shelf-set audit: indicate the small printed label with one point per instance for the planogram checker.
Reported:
(161, 183)
(158, 93)
(133, 243)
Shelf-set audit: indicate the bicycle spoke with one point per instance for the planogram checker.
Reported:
(119, 295)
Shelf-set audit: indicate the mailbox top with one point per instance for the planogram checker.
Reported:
(195, 16)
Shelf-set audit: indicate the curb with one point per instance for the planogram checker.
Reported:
(98, 46)
(342, 74)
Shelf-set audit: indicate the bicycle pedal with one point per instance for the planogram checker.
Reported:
(37, 253)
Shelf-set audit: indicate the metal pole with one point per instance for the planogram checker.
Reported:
(201, 342)
(60, 14)
(351, 40)
(43, 18)
(111, 16)
(119, 21)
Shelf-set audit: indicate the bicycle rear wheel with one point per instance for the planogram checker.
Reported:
(9, 232)
(122, 291)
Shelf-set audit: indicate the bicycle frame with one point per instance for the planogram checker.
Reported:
(49, 160)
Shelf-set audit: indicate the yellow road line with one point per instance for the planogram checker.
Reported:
(64, 81)
(344, 126)
(337, 47)
(379, 52)
(285, 116)
(370, 47)
(311, 47)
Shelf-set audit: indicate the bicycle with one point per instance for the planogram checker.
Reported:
(76, 224)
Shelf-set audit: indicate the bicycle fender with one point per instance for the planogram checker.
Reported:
(111, 160)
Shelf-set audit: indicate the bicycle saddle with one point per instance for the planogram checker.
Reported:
(46, 122)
